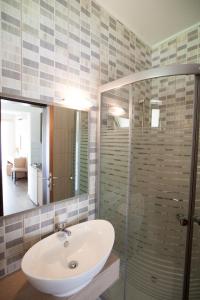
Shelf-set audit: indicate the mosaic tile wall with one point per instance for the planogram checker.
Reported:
(181, 49)
(46, 46)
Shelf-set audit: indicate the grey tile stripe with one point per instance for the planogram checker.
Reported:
(46, 61)
(61, 44)
(11, 65)
(46, 76)
(11, 91)
(11, 74)
(47, 223)
(46, 208)
(74, 24)
(30, 63)
(32, 228)
(46, 98)
(47, 45)
(63, 2)
(15, 258)
(83, 209)
(29, 29)
(95, 5)
(60, 66)
(85, 43)
(85, 69)
(92, 212)
(10, 29)
(85, 11)
(47, 6)
(45, 83)
(72, 213)
(10, 19)
(74, 57)
(13, 227)
(74, 37)
(47, 29)
(61, 30)
(32, 72)
(84, 30)
(14, 243)
(75, 10)
(60, 211)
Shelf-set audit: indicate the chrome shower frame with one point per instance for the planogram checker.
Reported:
(166, 71)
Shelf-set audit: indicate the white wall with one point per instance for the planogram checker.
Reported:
(35, 144)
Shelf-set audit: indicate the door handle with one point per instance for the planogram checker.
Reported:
(183, 221)
(50, 181)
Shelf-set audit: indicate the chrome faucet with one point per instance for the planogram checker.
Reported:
(63, 227)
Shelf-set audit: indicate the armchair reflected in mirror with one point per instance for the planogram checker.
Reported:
(44, 155)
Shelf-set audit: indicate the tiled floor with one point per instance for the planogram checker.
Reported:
(15, 196)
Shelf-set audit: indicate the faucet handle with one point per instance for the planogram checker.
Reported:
(61, 226)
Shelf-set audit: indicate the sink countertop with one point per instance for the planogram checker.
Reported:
(16, 286)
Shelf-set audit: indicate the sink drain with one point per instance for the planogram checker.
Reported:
(73, 264)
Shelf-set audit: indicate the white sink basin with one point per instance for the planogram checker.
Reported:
(46, 264)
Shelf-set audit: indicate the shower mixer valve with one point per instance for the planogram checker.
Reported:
(182, 219)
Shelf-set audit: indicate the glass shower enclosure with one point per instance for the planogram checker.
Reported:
(149, 183)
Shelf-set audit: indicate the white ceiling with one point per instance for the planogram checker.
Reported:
(154, 20)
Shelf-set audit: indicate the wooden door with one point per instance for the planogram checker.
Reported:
(62, 152)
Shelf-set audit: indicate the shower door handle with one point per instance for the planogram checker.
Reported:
(182, 219)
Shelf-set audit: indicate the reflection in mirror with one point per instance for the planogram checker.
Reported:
(44, 154)
(21, 149)
(69, 153)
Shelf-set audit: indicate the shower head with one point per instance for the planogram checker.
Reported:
(141, 101)
(156, 102)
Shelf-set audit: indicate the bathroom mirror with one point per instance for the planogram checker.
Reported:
(44, 155)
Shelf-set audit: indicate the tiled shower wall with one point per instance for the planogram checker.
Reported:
(46, 46)
(184, 48)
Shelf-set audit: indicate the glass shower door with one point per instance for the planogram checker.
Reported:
(194, 284)
(114, 141)
(159, 179)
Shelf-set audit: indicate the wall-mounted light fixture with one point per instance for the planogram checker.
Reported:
(116, 111)
(76, 99)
